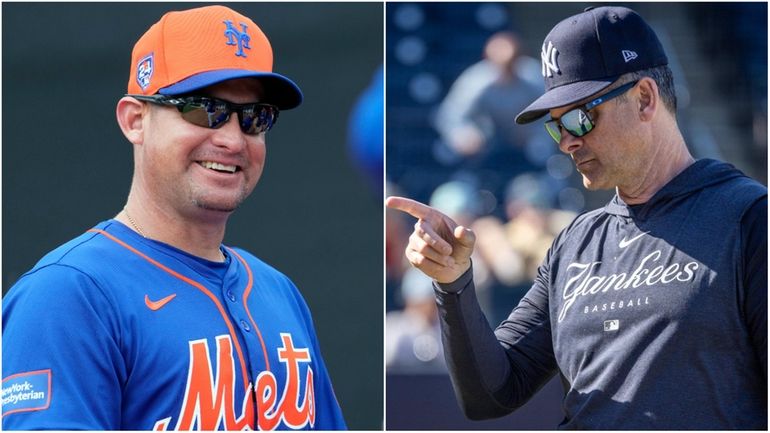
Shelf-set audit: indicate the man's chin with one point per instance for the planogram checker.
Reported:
(593, 185)
(217, 200)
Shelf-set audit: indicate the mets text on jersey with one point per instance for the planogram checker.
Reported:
(209, 400)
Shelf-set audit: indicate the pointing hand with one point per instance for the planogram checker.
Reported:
(439, 247)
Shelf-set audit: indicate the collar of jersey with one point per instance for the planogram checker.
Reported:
(213, 272)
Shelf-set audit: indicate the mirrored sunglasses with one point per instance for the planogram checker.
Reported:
(578, 121)
(253, 118)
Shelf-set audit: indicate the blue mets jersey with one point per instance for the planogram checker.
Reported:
(114, 331)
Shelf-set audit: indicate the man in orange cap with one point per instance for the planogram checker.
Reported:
(183, 332)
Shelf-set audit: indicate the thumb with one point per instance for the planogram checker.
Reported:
(465, 239)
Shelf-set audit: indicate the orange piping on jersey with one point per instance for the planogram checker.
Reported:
(245, 305)
(193, 283)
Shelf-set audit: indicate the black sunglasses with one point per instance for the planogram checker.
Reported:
(212, 113)
(578, 121)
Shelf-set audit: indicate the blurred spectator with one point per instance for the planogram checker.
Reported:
(533, 223)
(514, 247)
(475, 119)
(412, 335)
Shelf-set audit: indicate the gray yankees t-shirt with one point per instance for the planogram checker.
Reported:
(654, 315)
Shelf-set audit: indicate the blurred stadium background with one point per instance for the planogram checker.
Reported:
(314, 216)
(514, 187)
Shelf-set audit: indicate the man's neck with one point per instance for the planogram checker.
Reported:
(200, 234)
(668, 160)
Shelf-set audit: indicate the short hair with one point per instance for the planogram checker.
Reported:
(663, 77)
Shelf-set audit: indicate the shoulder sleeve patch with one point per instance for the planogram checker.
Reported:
(25, 392)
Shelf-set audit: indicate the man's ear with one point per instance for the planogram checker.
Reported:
(648, 98)
(130, 113)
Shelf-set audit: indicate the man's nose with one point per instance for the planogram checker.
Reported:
(230, 135)
(569, 144)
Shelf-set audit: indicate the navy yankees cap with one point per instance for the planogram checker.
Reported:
(587, 52)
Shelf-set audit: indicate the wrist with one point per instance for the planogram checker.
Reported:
(456, 286)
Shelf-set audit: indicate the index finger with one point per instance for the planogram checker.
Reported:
(412, 207)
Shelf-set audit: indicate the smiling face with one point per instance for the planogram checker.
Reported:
(612, 153)
(193, 168)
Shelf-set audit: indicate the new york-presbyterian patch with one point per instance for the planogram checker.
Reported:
(28, 391)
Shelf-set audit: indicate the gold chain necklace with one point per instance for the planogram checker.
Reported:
(131, 220)
(136, 227)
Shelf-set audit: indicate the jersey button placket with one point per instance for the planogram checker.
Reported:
(245, 326)
(231, 296)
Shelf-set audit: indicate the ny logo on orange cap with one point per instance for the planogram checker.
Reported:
(234, 37)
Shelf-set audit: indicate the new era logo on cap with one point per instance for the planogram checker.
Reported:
(629, 55)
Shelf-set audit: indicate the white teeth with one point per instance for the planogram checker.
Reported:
(217, 166)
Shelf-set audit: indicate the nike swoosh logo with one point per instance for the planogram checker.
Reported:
(624, 243)
(157, 305)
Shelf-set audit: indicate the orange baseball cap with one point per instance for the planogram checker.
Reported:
(196, 48)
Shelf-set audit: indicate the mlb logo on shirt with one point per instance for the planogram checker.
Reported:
(611, 325)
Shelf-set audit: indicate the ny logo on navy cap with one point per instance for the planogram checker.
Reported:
(549, 56)
(587, 52)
